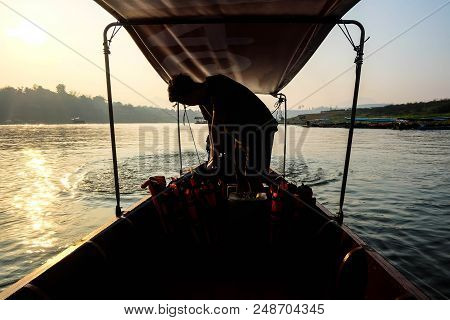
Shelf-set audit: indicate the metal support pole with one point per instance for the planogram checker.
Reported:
(358, 61)
(282, 98)
(111, 122)
(285, 136)
(179, 139)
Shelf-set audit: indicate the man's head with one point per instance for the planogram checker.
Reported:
(184, 90)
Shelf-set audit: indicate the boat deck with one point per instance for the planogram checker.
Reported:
(170, 248)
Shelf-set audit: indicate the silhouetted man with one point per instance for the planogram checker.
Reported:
(235, 115)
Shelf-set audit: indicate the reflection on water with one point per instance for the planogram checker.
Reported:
(56, 186)
(34, 198)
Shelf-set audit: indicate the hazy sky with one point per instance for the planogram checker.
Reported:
(415, 66)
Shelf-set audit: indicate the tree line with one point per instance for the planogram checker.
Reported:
(411, 111)
(40, 105)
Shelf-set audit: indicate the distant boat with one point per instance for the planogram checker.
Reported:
(77, 120)
(200, 120)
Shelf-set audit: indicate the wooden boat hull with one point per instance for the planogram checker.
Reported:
(231, 251)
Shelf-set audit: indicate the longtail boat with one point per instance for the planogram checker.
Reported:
(192, 238)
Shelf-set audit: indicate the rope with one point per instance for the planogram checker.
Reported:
(179, 138)
(192, 134)
(114, 32)
(348, 36)
(282, 100)
(277, 108)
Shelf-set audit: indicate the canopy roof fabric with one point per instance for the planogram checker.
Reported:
(263, 56)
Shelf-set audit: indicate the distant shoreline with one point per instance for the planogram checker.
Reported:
(390, 127)
(38, 105)
(337, 126)
(76, 124)
(432, 115)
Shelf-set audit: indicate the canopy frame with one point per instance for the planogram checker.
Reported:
(238, 19)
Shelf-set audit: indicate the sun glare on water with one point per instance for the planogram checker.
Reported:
(36, 198)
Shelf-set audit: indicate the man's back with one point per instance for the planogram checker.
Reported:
(233, 103)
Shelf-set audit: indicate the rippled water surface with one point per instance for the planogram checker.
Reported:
(56, 186)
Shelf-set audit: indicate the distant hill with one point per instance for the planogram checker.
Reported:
(406, 111)
(40, 105)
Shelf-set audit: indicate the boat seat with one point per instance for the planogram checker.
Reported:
(248, 221)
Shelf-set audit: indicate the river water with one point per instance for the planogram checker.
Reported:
(56, 186)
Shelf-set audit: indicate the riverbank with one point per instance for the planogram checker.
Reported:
(432, 115)
(38, 105)
(394, 125)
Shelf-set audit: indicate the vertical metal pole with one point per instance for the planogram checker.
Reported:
(282, 98)
(358, 62)
(179, 139)
(285, 136)
(111, 122)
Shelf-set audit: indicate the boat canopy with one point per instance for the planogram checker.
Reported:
(262, 55)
